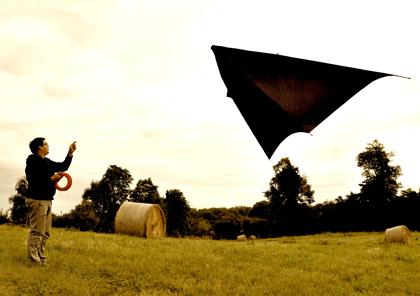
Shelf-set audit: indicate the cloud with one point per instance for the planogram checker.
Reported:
(57, 91)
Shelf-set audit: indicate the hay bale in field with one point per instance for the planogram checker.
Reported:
(141, 219)
(241, 238)
(252, 237)
(399, 234)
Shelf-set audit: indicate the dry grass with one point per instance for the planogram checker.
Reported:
(85, 263)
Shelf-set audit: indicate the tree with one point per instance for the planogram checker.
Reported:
(199, 226)
(203, 228)
(289, 196)
(107, 195)
(259, 219)
(228, 226)
(381, 183)
(261, 210)
(83, 216)
(405, 209)
(146, 192)
(3, 217)
(61, 220)
(18, 211)
(177, 211)
(288, 188)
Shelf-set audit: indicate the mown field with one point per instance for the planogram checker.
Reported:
(86, 263)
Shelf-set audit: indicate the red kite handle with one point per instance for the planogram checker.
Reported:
(69, 182)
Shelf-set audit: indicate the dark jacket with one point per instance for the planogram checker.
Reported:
(39, 172)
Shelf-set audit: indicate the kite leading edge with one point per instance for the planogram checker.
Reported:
(279, 95)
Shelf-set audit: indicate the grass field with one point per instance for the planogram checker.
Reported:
(86, 263)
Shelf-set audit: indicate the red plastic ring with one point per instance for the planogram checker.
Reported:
(69, 182)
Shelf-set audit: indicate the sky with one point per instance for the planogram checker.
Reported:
(136, 84)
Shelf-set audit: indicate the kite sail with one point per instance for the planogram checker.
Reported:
(279, 95)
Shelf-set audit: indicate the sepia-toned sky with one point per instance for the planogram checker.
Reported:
(136, 84)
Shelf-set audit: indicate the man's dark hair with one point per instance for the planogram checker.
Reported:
(35, 143)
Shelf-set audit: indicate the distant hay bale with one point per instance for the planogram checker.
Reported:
(399, 234)
(252, 237)
(141, 219)
(241, 238)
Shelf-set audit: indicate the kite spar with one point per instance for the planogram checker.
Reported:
(279, 95)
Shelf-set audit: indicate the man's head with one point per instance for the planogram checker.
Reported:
(39, 146)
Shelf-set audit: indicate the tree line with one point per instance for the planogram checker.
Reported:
(287, 210)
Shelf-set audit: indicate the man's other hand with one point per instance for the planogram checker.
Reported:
(56, 177)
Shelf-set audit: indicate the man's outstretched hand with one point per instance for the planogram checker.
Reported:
(72, 148)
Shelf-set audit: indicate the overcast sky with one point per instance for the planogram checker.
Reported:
(136, 84)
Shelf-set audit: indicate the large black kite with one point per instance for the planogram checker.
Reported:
(279, 95)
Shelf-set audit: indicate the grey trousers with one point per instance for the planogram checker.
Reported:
(40, 220)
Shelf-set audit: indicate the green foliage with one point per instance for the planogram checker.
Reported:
(261, 210)
(203, 228)
(83, 217)
(381, 184)
(18, 211)
(289, 196)
(107, 195)
(404, 209)
(354, 214)
(288, 188)
(223, 223)
(146, 192)
(199, 226)
(288, 210)
(3, 217)
(87, 263)
(61, 221)
(242, 210)
(256, 226)
(177, 212)
(228, 226)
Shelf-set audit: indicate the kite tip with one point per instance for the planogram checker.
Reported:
(402, 76)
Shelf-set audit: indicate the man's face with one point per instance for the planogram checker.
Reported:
(45, 148)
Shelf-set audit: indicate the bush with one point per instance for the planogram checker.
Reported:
(3, 217)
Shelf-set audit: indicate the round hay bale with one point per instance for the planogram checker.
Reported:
(141, 219)
(241, 238)
(252, 237)
(399, 234)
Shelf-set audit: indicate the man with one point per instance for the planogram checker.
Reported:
(41, 174)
